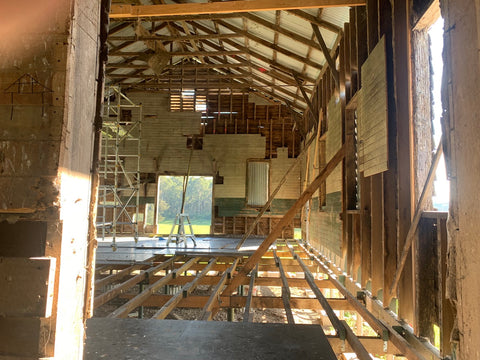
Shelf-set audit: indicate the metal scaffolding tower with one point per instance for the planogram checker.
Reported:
(118, 200)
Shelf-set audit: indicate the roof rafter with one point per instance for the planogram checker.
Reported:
(268, 44)
(255, 54)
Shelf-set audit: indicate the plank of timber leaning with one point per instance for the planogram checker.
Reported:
(27, 286)
(127, 11)
(285, 221)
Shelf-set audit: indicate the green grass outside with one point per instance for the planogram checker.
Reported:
(200, 229)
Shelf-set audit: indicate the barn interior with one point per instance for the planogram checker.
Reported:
(244, 179)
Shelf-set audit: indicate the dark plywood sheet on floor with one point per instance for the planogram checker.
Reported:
(176, 339)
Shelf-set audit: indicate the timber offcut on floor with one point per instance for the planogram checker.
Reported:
(177, 339)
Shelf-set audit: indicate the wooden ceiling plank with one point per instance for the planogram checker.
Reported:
(135, 11)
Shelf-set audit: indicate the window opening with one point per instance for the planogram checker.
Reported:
(441, 195)
(198, 202)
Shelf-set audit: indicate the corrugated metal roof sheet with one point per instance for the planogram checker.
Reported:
(288, 44)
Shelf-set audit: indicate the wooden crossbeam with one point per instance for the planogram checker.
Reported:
(109, 295)
(174, 38)
(238, 302)
(186, 290)
(180, 53)
(138, 11)
(260, 281)
(187, 77)
(126, 308)
(117, 276)
(285, 221)
(180, 66)
(207, 312)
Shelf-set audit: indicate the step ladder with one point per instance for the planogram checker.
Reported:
(181, 220)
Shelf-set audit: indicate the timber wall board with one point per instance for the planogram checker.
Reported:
(373, 114)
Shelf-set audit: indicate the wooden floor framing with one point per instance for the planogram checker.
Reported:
(296, 279)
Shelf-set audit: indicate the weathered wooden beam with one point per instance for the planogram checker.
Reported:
(186, 290)
(238, 302)
(260, 281)
(285, 290)
(117, 276)
(138, 11)
(339, 328)
(180, 53)
(355, 343)
(180, 66)
(126, 308)
(285, 221)
(326, 53)
(417, 216)
(174, 38)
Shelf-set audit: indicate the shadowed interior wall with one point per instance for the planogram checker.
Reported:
(47, 104)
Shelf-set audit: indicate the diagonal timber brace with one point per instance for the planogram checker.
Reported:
(286, 219)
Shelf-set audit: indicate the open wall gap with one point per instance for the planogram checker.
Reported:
(441, 194)
(198, 202)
